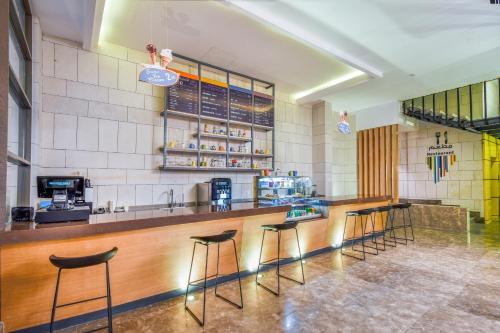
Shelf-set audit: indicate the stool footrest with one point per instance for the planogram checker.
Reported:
(198, 285)
(288, 260)
(82, 301)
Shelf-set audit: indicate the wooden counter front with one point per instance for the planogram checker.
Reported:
(150, 261)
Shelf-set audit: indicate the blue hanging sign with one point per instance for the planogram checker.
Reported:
(159, 76)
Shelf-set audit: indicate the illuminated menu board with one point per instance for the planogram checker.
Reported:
(263, 110)
(183, 97)
(240, 104)
(213, 100)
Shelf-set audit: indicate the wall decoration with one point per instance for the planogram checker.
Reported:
(156, 72)
(440, 157)
(343, 125)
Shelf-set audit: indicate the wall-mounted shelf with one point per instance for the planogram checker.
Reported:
(188, 168)
(240, 138)
(234, 153)
(213, 152)
(210, 135)
(207, 93)
(181, 150)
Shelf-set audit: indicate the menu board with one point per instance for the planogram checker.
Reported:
(183, 96)
(213, 100)
(264, 111)
(240, 104)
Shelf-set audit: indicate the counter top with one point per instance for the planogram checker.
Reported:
(21, 232)
(347, 200)
(153, 217)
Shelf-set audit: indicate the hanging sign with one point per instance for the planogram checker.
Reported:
(156, 73)
(343, 125)
(440, 157)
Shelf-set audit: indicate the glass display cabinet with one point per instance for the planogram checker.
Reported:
(289, 190)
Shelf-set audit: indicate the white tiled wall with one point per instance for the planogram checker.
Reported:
(98, 121)
(463, 185)
(334, 153)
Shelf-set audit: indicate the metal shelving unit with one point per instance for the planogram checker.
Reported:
(199, 135)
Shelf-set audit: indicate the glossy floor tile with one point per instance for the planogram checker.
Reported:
(442, 282)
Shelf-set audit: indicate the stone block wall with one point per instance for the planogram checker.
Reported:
(98, 121)
(462, 186)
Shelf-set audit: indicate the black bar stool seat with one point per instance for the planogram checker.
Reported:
(82, 262)
(279, 228)
(402, 207)
(361, 212)
(225, 236)
(382, 209)
(220, 238)
(363, 215)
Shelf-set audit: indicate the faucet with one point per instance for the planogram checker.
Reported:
(172, 204)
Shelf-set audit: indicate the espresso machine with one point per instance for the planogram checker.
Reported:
(215, 192)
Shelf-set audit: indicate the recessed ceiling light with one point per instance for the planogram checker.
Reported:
(411, 75)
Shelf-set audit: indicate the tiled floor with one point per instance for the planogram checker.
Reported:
(443, 282)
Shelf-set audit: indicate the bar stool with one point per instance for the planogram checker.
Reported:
(403, 207)
(81, 262)
(207, 241)
(279, 228)
(359, 213)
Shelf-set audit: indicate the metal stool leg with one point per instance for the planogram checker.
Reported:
(300, 256)
(238, 270)
(108, 296)
(301, 264)
(411, 226)
(343, 237)
(372, 234)
(278, 265)
(404, 226)
(189, 277)
(383, 230)
(53, 315)
(260, 256)
(390, 229)
(200, 322)
(217, 278)
(352, 240)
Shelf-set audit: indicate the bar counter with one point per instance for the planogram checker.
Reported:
(142, 218)
(154, 251)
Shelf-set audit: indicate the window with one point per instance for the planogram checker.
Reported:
(477, 101)
(491, 91)
(429, 106)
(440, 105)
(19, 105)
(452, 104)
(464, 99)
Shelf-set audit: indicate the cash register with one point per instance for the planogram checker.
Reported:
(66, 194)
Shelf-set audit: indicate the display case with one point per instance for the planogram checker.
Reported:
(289, 190)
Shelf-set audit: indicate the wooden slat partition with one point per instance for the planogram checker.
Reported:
(360, 153)
(365, 181)
(377, 151)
